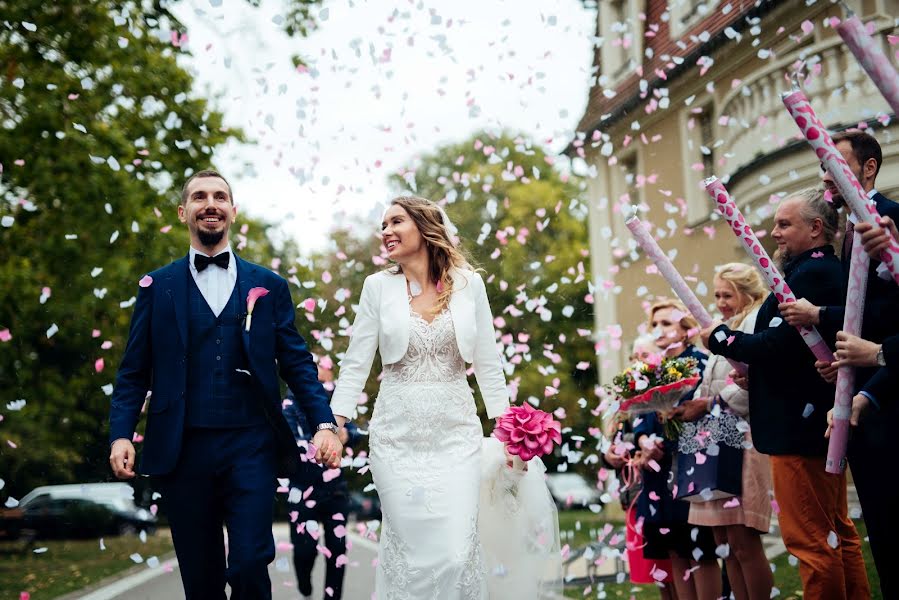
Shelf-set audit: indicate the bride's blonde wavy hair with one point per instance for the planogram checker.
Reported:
(443, 254)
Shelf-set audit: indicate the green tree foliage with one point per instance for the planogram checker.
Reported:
(98, 128)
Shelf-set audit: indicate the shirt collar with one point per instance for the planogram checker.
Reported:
(852, 218)
(193, 252)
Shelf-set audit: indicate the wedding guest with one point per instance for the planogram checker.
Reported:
(737, 522)
(878, 495)
(788, 402)
(620, 431)
(665, 526)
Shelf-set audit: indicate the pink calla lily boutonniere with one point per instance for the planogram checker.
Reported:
(254, 294)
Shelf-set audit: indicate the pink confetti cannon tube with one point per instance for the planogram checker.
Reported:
(868, 52)
(850, 189)
(673, 277)
(852, 323)
(728, 208)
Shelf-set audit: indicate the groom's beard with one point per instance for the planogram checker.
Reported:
(210, 238)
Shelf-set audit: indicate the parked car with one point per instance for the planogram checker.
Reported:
(571, 490)
(84, 510)
(10, 523)
(365, 508)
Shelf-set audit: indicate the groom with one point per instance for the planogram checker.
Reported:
(215, 438)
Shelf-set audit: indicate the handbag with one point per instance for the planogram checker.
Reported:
(710, 458)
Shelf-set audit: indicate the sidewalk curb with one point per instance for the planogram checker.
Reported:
(124, 581)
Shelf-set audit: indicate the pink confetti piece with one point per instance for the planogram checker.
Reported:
(330, 475)
(98, 365)
(732, 503)
(95, 333)
(309, 304)
(145, 281)
(5, 335)
(165, 229)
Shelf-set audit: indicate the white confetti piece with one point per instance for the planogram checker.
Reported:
(153, 562)
(29, 26)
(52, 330)
(720, 336)
(137, 558)
(7, 221)
(807, 411)
(40, 550)
(107, 389)
(832, 539)
(96, 271)
(11, 502)
(16, 404)
(775, 322)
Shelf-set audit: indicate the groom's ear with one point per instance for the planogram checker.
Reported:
(182, 214)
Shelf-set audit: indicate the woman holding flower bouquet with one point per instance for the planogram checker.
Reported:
(665, 527)
(737, 521)
(428, 316)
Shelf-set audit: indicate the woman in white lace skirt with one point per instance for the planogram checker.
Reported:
(428, 316)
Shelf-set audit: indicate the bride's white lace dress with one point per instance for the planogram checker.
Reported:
(427, 461)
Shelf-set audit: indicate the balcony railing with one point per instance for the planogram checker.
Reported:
(840, 92)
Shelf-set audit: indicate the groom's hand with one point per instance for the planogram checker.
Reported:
(328, 448)
(121, 458)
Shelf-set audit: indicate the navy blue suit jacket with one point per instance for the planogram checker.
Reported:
(155, 359)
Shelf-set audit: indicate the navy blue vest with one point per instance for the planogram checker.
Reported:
(220, 391)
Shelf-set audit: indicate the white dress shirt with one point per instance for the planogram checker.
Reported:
(215, 283)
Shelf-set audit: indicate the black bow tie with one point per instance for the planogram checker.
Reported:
(220, 260)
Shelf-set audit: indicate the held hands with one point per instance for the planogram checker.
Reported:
(860, 404)
(801, 313)
(651, 449)
(328, 448)
(742, 381)
(828, 370)
(690, 410)
(877, 239)
(854, 351)
(121, 459)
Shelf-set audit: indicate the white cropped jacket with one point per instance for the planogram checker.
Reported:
(382, 324)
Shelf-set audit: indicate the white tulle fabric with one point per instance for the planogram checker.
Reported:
(427, 464)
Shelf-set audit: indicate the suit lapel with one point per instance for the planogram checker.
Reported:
(177, 291)
(244, 283)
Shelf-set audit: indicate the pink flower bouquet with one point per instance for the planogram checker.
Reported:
(528, 432)
(648, 387)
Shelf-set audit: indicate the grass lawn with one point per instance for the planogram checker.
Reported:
(69, 565)
(786, 576)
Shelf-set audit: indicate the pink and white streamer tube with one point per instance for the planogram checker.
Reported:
(850, 189)
(728, 208)
(852, 323)
(868, 52)
(651, 248)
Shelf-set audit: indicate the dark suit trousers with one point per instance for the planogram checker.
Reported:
(329, 500)
(872, 443)
(223, 477)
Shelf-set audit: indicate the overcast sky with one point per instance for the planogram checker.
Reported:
(387, 80)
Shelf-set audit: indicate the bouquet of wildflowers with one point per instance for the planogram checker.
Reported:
(646, 387)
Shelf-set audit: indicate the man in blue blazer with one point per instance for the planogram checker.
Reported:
(878, 494)
(215, 438)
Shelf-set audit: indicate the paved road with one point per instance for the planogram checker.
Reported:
(164, 582)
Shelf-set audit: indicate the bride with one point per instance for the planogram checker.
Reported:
(458, 523)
